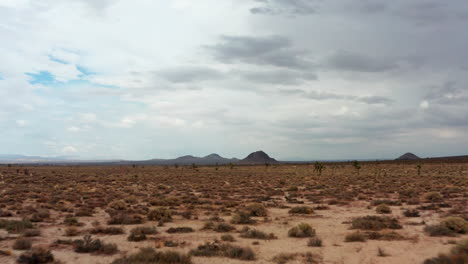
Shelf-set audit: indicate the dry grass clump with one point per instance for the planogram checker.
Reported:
(256, 209)
(151, 256)
(411, 213)
(449, 226)
(383, 209)
(215, 249)
(314, 242)
(161, 214)
(256, 234)
(242, 218)
(90, 245)
(139, 233)
(302, 230)
(457, 255)
(36, 256)
(125, 219)
(356, 237)
(376, 223)
(110, 230)
(22, 244)
(301, 210)
(433, 197)
(227, 238)
(182, 229)
(31, 232)
(14, 226)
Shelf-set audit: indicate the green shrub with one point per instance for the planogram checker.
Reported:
(301, 230)
(151, 256)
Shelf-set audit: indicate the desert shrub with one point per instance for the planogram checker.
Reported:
(242, 218)
(14, 226)
(456, 224)
(457, 255)
(110, 230)
(139, 233)
(117, 205)
(370, 222)
(125, 219)
(256, 209)
(36, 256)
(314, 242)
(84, 212)
(384, 235)
(411, 213)
(223, 250)
(182, 229)
(439, 230)
(433, 197)
(31, 232)
(160, 214)
(301, 230)
(256, 234)
(150, 256)
(383, 209)
(90, 245)
(301, 210)
(356, 237)
(283, 258)
(22, 244)
(228, 238)
(223, 227)
(72, 231)
(387, 202)
(72, 221)
(40, 215)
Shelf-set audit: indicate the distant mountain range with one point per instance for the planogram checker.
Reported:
(257, 157)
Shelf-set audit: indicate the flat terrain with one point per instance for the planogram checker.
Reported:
(253, 208)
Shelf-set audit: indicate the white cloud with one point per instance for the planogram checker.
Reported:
(424, 104)
(69, 150)
(21, 123)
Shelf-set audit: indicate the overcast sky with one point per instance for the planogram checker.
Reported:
(299, 79)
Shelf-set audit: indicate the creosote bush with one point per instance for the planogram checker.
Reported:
(356, 237)
(223, 250)
(376, 223)
(22, 244)
(301, 210)
(256, 234)
(314, 242)
(151, 256)
(90, 245)
(242, 218)
(36, 256)
(383, 209)
(301, 230)
(256, 209)
(161, 214)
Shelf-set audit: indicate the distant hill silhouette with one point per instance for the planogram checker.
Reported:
(211, 159)
(408, 156)
(258, 157)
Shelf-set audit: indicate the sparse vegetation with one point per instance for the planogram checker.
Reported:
(301, 230)
(150, 256)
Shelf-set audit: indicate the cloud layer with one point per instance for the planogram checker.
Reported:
(300, 79)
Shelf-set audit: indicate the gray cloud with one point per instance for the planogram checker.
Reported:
(189, 74)
(318, 95)
(349, 61)
(271, 50)
(285, 7)
(283, 77)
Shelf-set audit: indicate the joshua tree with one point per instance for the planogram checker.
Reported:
(357, 166)
(318, 167)
(419, 166)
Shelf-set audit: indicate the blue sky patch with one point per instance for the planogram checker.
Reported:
(43, 77)
(85, 72)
